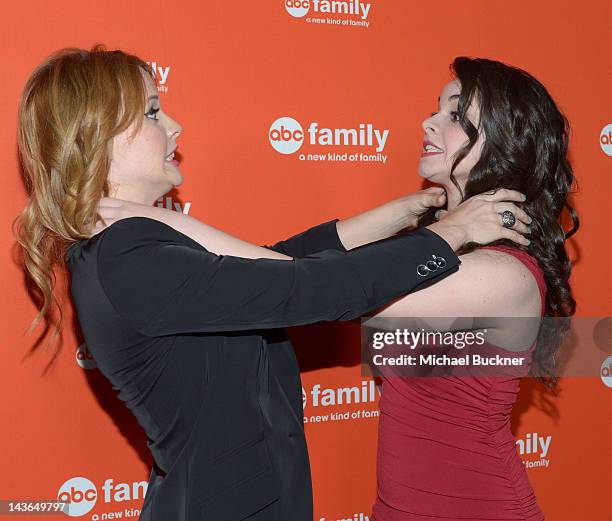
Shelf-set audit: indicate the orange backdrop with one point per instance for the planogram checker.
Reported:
(227, 71)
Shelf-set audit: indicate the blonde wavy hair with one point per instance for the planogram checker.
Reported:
(72, 106)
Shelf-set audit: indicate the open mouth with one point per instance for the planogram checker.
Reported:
(430, 148)
(170, 156)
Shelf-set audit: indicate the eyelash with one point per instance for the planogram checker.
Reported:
(452, 114)
(152, 111)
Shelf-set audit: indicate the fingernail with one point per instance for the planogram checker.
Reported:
(524, 197)
(528, 242)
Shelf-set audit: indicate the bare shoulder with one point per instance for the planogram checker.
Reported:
(503, 281)
(489, 283)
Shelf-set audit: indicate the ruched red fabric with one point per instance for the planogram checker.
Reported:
(445, 447)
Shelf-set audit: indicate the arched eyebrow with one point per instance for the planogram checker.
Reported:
(153, 96)
(450, 98)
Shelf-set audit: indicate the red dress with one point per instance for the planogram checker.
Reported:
(445, 448)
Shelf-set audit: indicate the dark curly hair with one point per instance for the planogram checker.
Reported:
(525, 149)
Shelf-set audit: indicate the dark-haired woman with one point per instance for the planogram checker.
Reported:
(446, 451)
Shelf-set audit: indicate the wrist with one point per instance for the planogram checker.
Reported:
(401, 214)
(455, 236)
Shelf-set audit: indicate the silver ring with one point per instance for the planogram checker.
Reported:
(508, 219)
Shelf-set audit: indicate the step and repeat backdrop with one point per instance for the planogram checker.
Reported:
(260, 88)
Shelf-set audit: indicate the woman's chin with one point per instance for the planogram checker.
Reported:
(425, 174)
(175, 177)
(434, 176)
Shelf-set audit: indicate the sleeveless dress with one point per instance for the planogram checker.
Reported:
(445, 448)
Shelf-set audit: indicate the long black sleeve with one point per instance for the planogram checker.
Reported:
(161, 282)
(318, 238)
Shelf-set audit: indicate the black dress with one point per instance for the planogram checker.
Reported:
(194, 345)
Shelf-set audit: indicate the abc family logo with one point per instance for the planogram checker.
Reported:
(348, 12)
(606, 371)
(605, 139)
(533, 450)
(365, 392)
(160, 73)
(82, 495)
(287, 136)
(84, 358)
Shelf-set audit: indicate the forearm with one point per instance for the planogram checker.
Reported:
(373, 225)
(454, 235)
(211, 238)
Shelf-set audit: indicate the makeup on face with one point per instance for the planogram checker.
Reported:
(444, 137)
(152, 115)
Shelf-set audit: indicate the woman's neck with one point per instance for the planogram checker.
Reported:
(453, 196)
(127, 193)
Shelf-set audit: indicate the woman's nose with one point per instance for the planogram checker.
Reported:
(428, 125)
(174, 129)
